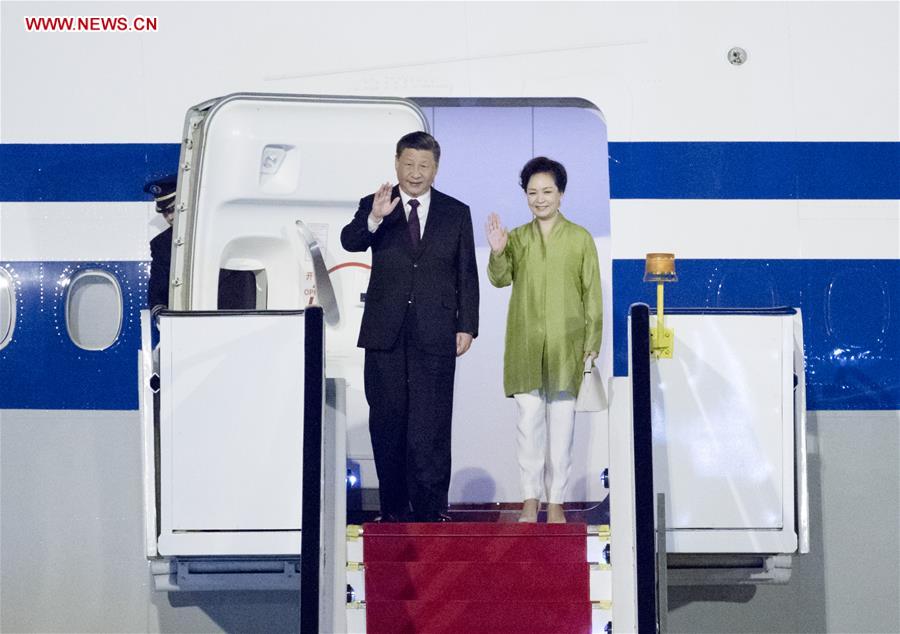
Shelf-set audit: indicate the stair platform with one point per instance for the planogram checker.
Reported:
(476, 577)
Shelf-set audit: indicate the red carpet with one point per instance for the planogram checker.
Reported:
(468, 577)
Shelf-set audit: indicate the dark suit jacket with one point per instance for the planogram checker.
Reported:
(160, 259)
(440, 276)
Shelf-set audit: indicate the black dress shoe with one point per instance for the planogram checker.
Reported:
(396, 516)
(434, 517)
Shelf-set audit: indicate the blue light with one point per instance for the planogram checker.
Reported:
(354, 481)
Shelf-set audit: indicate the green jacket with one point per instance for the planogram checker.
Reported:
(555, 311)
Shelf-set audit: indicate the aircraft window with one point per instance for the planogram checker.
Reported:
(868, 325)
(94, 309)
(7, 308)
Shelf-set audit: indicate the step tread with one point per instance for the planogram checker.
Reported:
(477, 581)
(472, 529)
(476, 617)
(494, 548)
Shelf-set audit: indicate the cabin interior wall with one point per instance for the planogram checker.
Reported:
(484, 467)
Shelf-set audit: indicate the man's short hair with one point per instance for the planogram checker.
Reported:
(419, 141)
(543, 165)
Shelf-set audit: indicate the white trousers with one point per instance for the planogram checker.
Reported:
(545, 431)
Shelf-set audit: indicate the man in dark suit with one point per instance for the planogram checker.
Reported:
(421, 312)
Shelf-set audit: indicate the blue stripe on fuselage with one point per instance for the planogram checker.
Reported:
(851, 341)
(852, 345)
(669, 170)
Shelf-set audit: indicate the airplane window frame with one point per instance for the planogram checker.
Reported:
(7, 281)
(120, 305)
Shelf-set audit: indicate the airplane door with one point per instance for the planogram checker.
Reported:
(252, 165)
(266, 183)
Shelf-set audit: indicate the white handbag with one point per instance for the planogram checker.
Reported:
(592, 395)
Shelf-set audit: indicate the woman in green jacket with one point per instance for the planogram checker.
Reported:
(553, 327)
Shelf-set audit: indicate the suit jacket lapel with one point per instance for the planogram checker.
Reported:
(433, 223)
(397, 219)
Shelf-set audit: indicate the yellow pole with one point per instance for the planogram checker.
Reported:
(660, 315)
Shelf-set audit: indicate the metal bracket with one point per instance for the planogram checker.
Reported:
(661, 342)
(153, 382)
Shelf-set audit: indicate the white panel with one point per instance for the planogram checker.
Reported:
(658, 70)
(723, 434)
(621, 505)
(865, 229)
(331, 148)
(348, 365)
(272, 60)
(149, 474)
(633, 62)
(801, 454)
(77, 231)
(601, 617)
(705, 228)
(354, 550)
(356, 621)
(231, 423)
(718, 423)
(595, 545)
(601, 584)
(230, 543)
(731, 541)
(756, 229)
(333, 544)
(357, 580)
(834, 89)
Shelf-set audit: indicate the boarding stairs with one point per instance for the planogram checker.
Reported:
(474, 574)
(474, 577)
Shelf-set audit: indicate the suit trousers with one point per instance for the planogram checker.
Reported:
(410, 395)
(544, 447)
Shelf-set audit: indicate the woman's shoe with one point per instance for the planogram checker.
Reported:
(530, 509)
(555, 514)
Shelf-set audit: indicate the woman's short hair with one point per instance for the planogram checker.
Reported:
(543, 165)
(419, 141)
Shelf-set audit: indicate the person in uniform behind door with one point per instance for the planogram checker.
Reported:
(236, 290)
(421, 312)
(163, 192)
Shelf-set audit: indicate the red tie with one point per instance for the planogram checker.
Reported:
(413, 221)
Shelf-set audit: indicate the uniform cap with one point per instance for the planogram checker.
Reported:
(163, 192)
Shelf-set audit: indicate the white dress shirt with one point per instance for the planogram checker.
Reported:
(424, 205)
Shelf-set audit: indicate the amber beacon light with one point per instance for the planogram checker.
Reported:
(660, 268)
